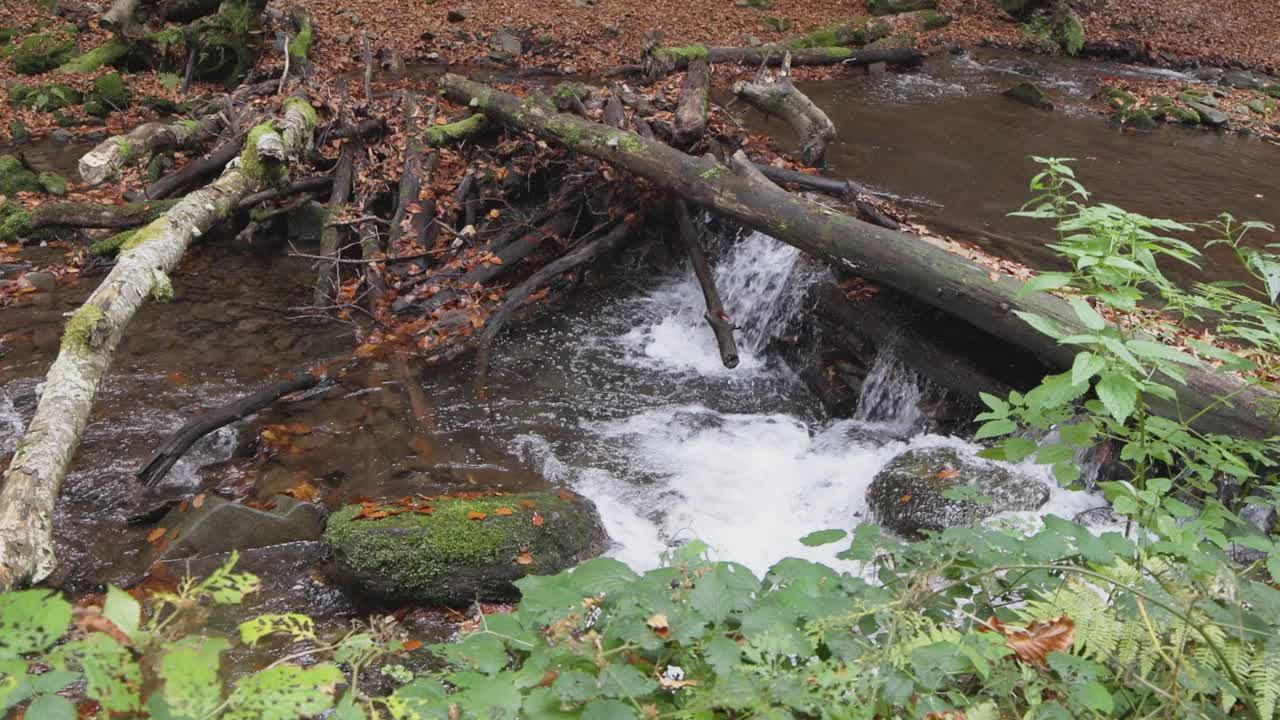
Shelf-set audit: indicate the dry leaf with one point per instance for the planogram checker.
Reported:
(659, 624)
(155, 535)
(537, 520)
(473, 515)
(197, 501)
(503, 511)
(411, 645)
(947, 473)
(1033, 644)
(524, 558)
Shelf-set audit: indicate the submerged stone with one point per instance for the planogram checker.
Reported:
(1209, 115)
(41, 53)
(907, 495)
(220, 526)
(1029, 94)
(465, 548)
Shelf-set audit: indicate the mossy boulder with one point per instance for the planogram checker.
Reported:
(50, 97)
(17, 131)
(109, 95)
(42, 53)
(931, 489)
(14, 178)
(53, 183)
(893, 7)
(465, 548)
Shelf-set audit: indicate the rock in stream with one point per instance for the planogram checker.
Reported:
(907, 498)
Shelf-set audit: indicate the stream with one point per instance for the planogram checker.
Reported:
(621, 395)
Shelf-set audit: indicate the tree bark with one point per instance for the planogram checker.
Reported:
(781, 97)
(120, 15)
(772, 55)
(331, 235)
(691, 108)
(716, 317)
(194, 172)
(35, 473)
(918, 267)
(104, 161)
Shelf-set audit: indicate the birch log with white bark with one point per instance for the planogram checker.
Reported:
(104, 161)
(93, 332)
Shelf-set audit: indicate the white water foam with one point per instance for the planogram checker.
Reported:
(750, 484)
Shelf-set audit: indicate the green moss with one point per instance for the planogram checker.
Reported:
(564, 129)
(14, 178)
(777, 24)
(300, 45)
(676, 54)
(53, 183)
(112, 90)
(932, 20)
(423, 553)
(1070, 33)
(1118, 98)
(151, 231)
(630, 142)
(260, 172)
(77, 338)
(15, 222)
(53, 96)
(161, 287)
(444, 134)
(107, 54)
(18, 131)
(1261, 106)
(713, 172)
(836, 52)
(41, 53)
(189, 126)
(304, 108)
(167, 37)
(110, 245)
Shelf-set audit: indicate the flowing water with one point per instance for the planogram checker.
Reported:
(621, 395)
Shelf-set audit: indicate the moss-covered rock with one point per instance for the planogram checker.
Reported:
(932, 19)
(106, 54)
(15, 222)
(41, 53)
(17, 131)
(109, 95)
(931, 489)
(50, 97)
(14, 178)
(893, 7)
(53, 183)
(466, 548)
(1029, 94)
(863, 31)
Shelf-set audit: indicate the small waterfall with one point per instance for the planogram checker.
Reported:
(891, 393)
(761, 282)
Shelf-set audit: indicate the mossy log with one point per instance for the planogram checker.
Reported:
(925, 270)
(691, 107)
(772, 55)
(83, 215)
(455, 131)
(39, 464)
(138, 145)
(782, 98)
(108, 53)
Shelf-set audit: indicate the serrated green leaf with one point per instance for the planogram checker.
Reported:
(113, 677)
(602, 575)
(1087, 315)
(31, 621)
(1046, 281)
(51, 707)
(1118, 393)
(190, 670)
(1085, 366)
(284, 692)
(122, 610)
(295, 625)
(995, 428)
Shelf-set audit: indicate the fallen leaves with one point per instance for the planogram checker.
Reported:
(537, 520)
(156, 534)
(477, 515)
(524, 558)
(659, 624)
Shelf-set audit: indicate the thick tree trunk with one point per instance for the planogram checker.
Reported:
(918, 267)
(104, 161)
(772, 55)
(780, 97)
(39, 465)
(691, 109)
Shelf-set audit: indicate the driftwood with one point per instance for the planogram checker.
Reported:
(716, 317)
(104, 161)
(194, 172)
(928, 271)
(782, 98)
(584, 253)
(773, 55)
(181, 441)
(36, 472)
(691, 108)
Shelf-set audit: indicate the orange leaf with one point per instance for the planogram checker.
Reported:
(473, 515)
(197, 501)
(537, 520)
(503, 511)
(155, 535)
(528, 504)
(947, 473)
(524, 558)
(411, 645)
(1033, 644)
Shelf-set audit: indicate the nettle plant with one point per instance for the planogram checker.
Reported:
(1175, 614)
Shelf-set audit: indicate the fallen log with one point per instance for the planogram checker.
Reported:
(83, 215)
(455, 131)
(139, 144)
(328, 278)
(193, 173)
(498, 319)
(782, 98)
(691, 108)
(181, 441)
(920, 268)
(716, 317)
(36, 472)
(676, 58)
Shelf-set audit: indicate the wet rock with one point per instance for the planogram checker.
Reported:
(1261, 106)
(508, 43)
(1207, 74)
(1029, 94)
(220, 526)
(14, 178)
(53, 183)
(466, 548)
(1140, 120)
(893, 7)
(1210, 115)
(877, 69)
(906, 496)
(42, 281)
(459, 14)
(61, 137)
(1240, 79)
